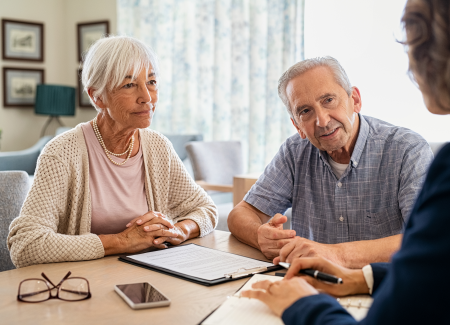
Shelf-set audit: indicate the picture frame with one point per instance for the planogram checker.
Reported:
(83, 97)
(19, 86)
(88, 33)
(22, 40)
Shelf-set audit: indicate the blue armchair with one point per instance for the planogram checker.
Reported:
(24, 159)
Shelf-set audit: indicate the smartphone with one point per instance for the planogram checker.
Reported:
(141, 295)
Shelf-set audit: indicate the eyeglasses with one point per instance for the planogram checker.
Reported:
(69, 289)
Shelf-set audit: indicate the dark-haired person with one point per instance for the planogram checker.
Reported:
(413, 288)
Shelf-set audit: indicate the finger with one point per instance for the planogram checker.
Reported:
(153, 227)
(273, 233)
(133, 221)
(330, 288)
(142, 219)
(257, 294)
(164, 233)
(278, 220)
(173, 240)
(276, 260)
(317, 263)
(160, 240)
(160, 246)
(262, 284)
(287, 250)
(159, 220)
(283, 242)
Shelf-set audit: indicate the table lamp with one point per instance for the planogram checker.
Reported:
(55, 101)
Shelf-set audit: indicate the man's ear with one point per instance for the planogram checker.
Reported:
(99, 102)
(356, 96)
(299, 131)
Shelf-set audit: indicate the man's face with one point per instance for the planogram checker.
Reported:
(322, 110)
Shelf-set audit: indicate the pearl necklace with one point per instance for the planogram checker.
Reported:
(107, 152)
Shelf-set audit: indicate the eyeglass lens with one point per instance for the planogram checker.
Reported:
(74, 289)
(34, 290)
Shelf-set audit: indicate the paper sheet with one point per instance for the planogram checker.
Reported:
(197, 261)
(243, 311)
(238, 310)
(257, 278)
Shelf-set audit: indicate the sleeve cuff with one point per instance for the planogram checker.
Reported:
(368, 276)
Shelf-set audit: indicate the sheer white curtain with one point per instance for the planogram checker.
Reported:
(220, 61)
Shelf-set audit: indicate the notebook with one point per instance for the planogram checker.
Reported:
(238, 310)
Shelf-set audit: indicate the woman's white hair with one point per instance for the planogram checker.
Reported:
(308, 64)
(109, 60)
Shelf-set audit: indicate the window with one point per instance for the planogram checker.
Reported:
(362, 35)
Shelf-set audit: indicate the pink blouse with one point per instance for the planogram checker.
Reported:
(117, 192)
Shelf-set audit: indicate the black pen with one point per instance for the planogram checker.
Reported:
(316, 274)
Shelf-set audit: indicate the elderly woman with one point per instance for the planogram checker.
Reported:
(111, 185)
(414, 288)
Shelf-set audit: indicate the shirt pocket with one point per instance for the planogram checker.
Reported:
(383, 222)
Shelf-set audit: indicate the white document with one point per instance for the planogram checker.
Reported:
(238, 310)
(198, 261)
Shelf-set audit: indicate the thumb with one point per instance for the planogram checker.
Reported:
(278, 219)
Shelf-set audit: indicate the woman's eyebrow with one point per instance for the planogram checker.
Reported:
(152, 74)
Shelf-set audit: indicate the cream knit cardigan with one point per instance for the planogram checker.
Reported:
(55, 221)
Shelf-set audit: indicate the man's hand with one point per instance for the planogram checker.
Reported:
(301, 247)
(280, 295)
(353, 281)
(272, 237)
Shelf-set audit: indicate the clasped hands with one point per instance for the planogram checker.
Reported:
(152, 229)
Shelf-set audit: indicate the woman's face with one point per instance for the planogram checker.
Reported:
(132, 104)
(430, 101)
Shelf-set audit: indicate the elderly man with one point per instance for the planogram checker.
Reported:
(351, 180)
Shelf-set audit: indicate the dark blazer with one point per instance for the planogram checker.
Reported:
(416, 288)
(379, 271)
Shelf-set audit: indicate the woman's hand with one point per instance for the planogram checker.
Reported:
(150, 218)
(136, 238)
(186, 229)
(353, 280)
(280, 295)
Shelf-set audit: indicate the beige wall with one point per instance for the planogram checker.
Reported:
(21, 127)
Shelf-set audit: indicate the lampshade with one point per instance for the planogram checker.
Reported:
(55, 100)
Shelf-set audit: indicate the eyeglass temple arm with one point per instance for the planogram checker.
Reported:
(55, 286)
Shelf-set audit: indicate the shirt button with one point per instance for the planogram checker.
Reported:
(339, 184)
(341, 218)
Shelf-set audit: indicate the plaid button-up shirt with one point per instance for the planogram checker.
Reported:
(371, 200)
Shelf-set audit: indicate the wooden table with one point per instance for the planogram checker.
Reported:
(190, 302)
(242, 184)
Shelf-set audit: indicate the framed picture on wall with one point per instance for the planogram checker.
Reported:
(83, 97)
(22, 40)
(88, 33)
(19, 86)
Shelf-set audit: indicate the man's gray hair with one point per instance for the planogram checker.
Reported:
(306, 65)
(109, 60)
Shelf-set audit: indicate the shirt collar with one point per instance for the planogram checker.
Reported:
(361, 141)
(359, 146)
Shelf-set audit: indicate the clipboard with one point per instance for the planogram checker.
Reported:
(231, 276)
